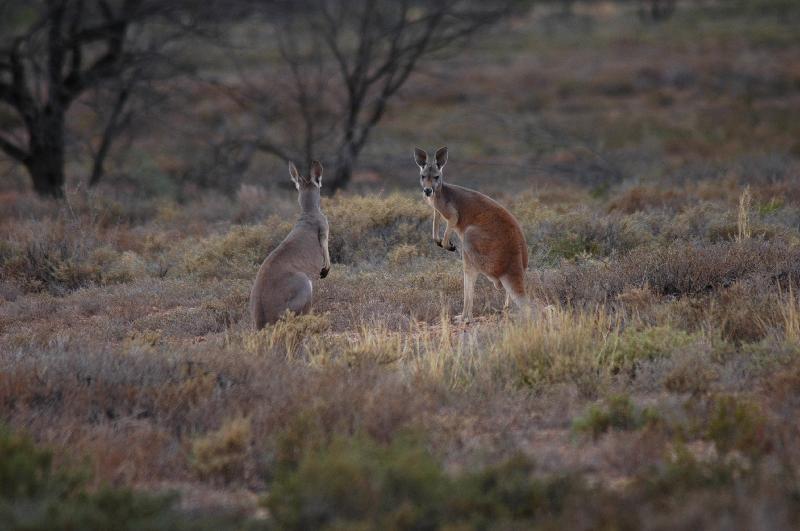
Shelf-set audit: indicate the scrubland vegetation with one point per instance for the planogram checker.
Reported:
(660, 390)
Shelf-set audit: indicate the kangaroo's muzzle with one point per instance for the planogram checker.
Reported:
(427, 191)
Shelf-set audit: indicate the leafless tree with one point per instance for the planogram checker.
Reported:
(346, 59)
(52, 53)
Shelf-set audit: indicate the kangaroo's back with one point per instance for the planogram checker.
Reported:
(495, 233)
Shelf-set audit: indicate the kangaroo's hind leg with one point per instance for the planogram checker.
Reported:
(498, 285)
(300, 290)
(293, 293)
(514, 284)
(470, 276)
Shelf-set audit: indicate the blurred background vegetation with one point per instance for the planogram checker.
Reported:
(168, 98)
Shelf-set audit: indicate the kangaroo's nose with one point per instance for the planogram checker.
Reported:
(428, 191)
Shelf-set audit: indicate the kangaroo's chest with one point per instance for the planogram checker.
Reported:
(446, 210)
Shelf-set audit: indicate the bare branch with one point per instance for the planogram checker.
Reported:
(375, 45)
(12, 150)
(116, 122)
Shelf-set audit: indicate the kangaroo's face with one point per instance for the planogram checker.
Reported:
(430, 170)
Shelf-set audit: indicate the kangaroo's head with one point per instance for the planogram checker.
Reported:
(430, 170)
(308, 187)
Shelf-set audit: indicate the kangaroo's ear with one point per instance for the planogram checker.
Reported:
(293, 173)
(316, 173)
(441, 157)
(420, 157)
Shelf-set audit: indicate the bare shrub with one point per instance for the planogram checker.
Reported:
(637, 198)
(369, 227)
(223, 453)
(235, 254)
(676, 270)
(691, 373)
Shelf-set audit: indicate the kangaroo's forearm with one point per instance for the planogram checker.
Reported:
(448, 231)
(325, 252)
(435, 226)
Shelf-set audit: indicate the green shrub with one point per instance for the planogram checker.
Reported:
(36, 496)
(682, 473)
(736, 424)
(635, 346)
(358, 484)
(563, 347)
(618, 413)
(509, 492)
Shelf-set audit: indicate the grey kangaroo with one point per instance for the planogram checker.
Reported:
(284, 280)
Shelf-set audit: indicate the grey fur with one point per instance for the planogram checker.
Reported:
(284, 279)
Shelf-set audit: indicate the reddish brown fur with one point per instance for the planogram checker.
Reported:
(493, 243)
(495, 246)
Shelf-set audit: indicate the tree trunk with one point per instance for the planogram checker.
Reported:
(343, 171)
(46, 161)
(341, 176)
(47, 174)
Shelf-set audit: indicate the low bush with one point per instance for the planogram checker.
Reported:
(287, 335)
(677, 270)
(223, 454)
(681, 473)
(633, 347)
(236, 254)
(690, 374)
(559, 348)
(736, 424)
(618, 413)
(369, 227)
(50, 259)
(358, 484)
(34, 495)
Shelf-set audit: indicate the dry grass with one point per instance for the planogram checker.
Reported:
(144, 362)
(672, 266)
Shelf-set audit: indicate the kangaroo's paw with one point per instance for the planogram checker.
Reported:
(324, 272)
(460, 319)
(450, 247)
(438, 242)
